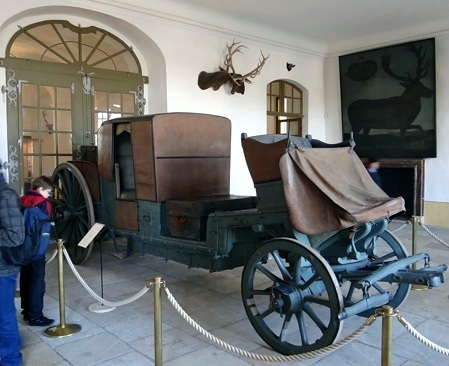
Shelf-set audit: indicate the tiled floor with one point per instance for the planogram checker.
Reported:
(125, 336)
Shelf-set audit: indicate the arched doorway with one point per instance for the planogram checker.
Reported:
(63, 81)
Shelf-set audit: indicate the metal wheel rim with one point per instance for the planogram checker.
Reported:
(74, 200)
(303, 332)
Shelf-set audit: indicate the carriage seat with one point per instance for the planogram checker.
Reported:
(262, 153)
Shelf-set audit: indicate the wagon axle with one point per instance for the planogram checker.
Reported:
(286, 298)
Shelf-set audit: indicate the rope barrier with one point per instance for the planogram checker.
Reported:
(259, 357)
(52, 256)
(421, 338)
(432, 234)
(226, 346)
(97, 297)
(401, 227)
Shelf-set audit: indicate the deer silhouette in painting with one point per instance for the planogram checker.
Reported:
(216, 79)
(397, 112)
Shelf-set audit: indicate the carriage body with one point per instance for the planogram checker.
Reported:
(162, 181)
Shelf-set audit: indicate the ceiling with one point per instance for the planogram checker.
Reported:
(327, 26)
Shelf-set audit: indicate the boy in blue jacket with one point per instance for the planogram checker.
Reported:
(32, 276)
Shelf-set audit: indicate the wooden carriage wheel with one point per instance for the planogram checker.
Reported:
(73, 211)
(291, 297)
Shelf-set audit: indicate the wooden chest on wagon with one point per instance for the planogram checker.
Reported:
(187, 218)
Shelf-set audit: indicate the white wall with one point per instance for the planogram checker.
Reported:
(174, 50)
(172, 55)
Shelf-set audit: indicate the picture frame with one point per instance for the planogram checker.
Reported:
(388, 100)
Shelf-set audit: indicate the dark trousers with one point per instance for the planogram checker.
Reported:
(9, 331)
(32, 288)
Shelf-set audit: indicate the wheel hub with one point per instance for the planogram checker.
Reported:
(286, 298)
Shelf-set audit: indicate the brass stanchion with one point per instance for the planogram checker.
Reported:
(157, 322)
(387, 334)
(416, 287)
(62, 330)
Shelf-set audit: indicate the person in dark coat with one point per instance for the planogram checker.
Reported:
(32, 275)
(373, 166)
(12, 233)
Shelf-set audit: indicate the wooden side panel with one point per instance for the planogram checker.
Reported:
(192, 155)
(126, 215)
(105, 149)
(143, 155)
(192, 177)
(190, 134)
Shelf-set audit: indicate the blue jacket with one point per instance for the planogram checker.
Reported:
(12, 226)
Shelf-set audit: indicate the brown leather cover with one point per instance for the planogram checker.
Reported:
(330, 189)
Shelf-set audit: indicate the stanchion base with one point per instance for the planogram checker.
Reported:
(60, 331)
(98, 307)
(419, 288)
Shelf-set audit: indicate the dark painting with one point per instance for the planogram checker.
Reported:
(388, 100)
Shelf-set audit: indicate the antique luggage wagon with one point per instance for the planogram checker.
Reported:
(314, 242)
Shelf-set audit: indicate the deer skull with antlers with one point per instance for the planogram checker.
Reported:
(216, 79)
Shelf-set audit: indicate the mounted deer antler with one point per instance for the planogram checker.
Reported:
(228, 75)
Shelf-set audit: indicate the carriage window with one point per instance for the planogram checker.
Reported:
(284, 108)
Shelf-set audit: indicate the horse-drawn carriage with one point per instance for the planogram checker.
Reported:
(314, 242)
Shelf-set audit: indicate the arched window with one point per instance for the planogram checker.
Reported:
(284, 108)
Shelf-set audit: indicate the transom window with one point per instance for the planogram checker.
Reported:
(62, 42)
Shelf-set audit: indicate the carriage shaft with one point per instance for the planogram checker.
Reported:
(393, 267)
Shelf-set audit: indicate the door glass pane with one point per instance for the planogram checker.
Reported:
(64, 98)
(48, 165)
(48, 143)
(115, 103)
(30, 119)
(101, 101)
(64, 143)
(48, 120)
(47, 97)
(29, 95)
(64, 121)
(128, 103)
